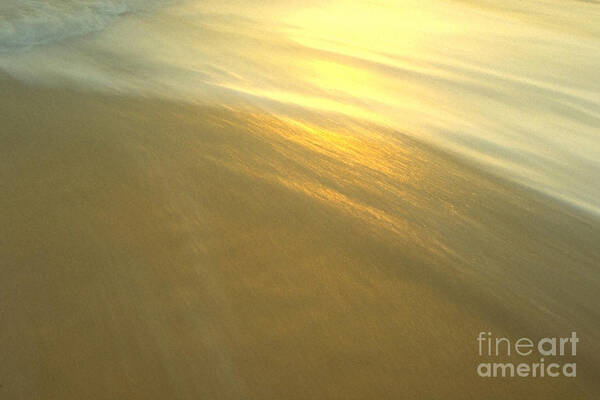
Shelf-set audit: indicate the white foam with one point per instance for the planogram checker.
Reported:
(27, 23)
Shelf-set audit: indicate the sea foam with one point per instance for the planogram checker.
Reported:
(28, 23)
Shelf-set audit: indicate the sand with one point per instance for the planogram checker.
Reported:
(159, 250)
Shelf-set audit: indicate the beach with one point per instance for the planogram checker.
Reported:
(157, 249)
(312, 200)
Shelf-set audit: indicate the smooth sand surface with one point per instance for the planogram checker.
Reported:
(155, 250)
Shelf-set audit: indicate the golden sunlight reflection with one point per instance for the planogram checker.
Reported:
(353, 168)
(511, 85)
(322, 104)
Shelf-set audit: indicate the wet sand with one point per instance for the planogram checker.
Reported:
(157, 250)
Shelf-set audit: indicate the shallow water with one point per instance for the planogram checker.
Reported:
(512, 85)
